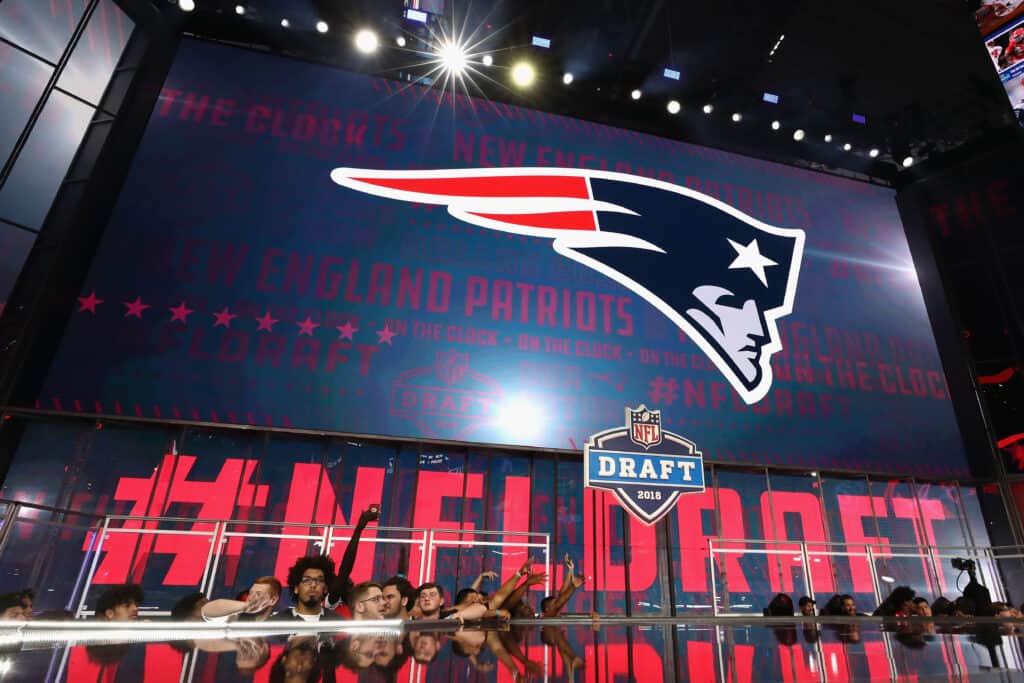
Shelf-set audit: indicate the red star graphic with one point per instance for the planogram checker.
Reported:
(266, 322)
(224, 318)
(89, 303)
(384, 336)
(347, 330)
(135, 308)
(180, 312)
(307, 326)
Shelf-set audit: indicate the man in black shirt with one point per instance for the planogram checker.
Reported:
(308, 579)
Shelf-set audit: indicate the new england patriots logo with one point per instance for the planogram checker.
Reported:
(722, 277)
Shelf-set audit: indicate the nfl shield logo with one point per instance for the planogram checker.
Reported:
(451, 366)
(644, 426)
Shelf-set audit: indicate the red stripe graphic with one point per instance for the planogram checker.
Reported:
(558, 220)
(489, 186)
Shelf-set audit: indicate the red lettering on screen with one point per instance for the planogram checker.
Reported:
(154, 496)
(782, 506)
(853, 510)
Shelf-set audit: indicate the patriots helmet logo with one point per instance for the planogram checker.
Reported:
(722, 277)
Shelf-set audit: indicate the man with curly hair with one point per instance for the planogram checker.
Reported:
(308, 580)
(119, 603)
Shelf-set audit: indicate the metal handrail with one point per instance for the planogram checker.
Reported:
(48, 508)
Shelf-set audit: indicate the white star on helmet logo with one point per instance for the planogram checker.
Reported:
(750, 257)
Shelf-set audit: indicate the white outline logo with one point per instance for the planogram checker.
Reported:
(568, 241)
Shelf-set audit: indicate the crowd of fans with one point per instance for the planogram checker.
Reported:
(318, 591)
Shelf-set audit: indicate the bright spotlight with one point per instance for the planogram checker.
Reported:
(674, 107)
(847, 147)
(285, 23)
(737, 117)
(567, 77)
(453, 58)
(523, 75)
(636, 94)
(708, 109)
(828, 137)
(400, 41)
(799, 134)
(908, 162)
(488, 60)
(239, 10)
(366, 41)
(321, 27)
(776, 125)
(186, 5)
(873, 153)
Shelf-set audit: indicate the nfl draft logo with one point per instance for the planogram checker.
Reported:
(646, 483)
(644, 426)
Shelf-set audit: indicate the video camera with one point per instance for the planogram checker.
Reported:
(963, 565)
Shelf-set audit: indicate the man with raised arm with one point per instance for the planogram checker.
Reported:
(552, 605)
(339, 588)
(258, 605)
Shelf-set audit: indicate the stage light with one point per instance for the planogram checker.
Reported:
(321, 27)
(186, 5)
(873, 153)
(776, 125)
(416, 15)
(828, 137)
(708, 108)
(737, 117)
(523, 75)
(799, 134)
(541, 42)
(636, 94)
(285, 23)
(488, 60)
(771, 98)
(239, 10)
(674, 107)
(908, 162)
(847, 147)
(860, 118)
(366, 41)
(400, 41)
(671, 73)
(567, 78)
(453, 58)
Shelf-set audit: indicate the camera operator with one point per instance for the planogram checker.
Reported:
(974, 591)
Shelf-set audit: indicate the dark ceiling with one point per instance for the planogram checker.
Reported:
(918, 71)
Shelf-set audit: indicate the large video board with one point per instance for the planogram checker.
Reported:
(305, 247)
(1002, 24)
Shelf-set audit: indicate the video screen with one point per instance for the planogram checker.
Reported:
(304, 247)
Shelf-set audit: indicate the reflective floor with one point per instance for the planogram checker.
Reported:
(736, 652)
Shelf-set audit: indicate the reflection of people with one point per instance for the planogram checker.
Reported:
(300, 662)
